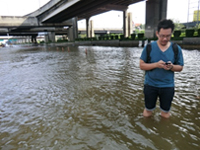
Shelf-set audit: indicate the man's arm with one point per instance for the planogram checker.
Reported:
(160, 64)
(176, 68)
(150, 66)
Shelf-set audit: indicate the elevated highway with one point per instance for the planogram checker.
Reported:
(60, 13)
(30, 24)
(83, 9)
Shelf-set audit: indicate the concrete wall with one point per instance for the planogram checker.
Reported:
(115, 43)
(192, 40)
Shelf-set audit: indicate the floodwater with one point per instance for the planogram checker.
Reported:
(62, 98)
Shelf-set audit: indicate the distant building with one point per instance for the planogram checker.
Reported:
(196, 16)
(136, 26)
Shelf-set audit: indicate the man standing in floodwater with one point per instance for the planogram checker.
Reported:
(160, 64)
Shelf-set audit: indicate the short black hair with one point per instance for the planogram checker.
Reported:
(165, 24)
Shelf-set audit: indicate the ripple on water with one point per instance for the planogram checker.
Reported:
(52, 98)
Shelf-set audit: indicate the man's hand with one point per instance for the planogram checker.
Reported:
(168, 65)
(160, 64)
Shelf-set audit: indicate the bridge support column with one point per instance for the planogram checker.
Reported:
(155, 11)
(125, 23)
(50, 37)
(75, 25)
(91, 28)
(130, 24)
(28, 39)
(33, 39)
(87, 28)
(46, 38)
(73, 30)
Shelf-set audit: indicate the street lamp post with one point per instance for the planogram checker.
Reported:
(198, 14)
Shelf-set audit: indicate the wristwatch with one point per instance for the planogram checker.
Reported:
(171, 67)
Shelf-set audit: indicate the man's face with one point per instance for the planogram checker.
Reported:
(164, 36)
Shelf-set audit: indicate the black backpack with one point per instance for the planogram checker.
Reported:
(175, 49)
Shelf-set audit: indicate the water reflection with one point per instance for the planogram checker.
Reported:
(63, 98)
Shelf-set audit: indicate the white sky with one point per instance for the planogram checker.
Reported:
(19, 7)
(177, 10)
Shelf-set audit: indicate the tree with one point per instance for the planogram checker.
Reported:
(178, 25)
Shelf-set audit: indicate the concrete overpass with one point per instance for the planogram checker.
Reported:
(84, 9)
(30, 25)
(60, 13)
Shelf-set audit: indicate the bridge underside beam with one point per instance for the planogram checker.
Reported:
(32, 31)
(19, 33)
(102, 9)
(28, 22)
(87, 8)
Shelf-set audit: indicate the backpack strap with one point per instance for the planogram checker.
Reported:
(175, 49)
(148, 50)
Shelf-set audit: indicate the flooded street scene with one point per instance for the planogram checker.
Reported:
(91, 98)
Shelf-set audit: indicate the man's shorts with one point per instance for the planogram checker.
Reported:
(165, 95)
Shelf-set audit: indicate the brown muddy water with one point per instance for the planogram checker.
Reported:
(60, 98)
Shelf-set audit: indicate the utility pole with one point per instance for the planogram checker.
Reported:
(193, 9)
(188, 11)
(198, 14)
(39, 3)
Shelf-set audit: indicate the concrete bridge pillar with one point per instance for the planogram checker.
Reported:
(155, 11)
(91, 28)
(87, 28)
(70, 34)
(29, 38)
(125, 23)
(33, 39)
(75, 26)
(130, 24)
(73, 30)
(50, 37)
(46, 38)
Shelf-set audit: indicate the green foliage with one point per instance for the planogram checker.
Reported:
(189, 32)
(178, 25)
(195, 33)
(139, 31)
(140, 35)
(133, 36)
(183, 34)
(197, 26)
(42, 41)
(82, 36)
(177, 33)
(121, 36)
(177, 38)
(116, 36)
(62, 40)
(101, 38)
